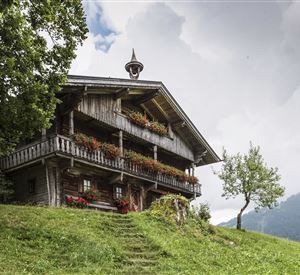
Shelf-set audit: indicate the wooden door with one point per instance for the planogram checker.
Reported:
(135, 199)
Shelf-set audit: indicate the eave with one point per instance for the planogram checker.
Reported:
(189, 132)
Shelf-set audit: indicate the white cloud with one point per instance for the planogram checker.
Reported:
(233, 68)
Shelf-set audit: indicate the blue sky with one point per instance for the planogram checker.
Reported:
(98, 26)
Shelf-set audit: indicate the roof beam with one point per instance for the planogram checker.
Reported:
(121, 92)
(178, 124)
(200, 155)
(147, 111)
(167, 117)
(144, 98)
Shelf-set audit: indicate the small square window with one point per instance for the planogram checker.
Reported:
(86, 185)
(119, 192)
(31, 186)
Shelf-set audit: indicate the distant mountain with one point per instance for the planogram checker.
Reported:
(282, 221)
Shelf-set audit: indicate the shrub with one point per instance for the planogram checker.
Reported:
(201, 212)
(171, 207)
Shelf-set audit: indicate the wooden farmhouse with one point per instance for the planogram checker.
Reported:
(121, 137)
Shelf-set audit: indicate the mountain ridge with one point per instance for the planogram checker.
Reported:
(282, 221)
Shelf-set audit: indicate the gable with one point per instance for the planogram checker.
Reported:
(152, 97)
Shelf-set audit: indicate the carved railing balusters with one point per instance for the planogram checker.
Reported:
(64, 145)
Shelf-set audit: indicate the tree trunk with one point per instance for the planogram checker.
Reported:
(239, 216)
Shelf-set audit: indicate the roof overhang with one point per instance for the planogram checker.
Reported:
(154, 97)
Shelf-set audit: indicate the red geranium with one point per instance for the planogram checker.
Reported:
(79, 202)
(122, 205)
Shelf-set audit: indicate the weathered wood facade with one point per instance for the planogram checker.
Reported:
(54, 165)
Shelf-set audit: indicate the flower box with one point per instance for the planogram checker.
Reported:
(90, 195)
(92, 144)
(156, 166)
(78, 203)
(153, 126)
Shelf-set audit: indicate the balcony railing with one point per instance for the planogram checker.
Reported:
(64, 145)
(120, 121)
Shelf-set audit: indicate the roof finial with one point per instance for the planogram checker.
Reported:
(134, 67)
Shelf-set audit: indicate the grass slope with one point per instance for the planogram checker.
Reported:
(36, 240)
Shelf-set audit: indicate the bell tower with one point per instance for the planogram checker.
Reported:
(134, 67)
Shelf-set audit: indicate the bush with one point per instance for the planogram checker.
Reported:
(6, 189)
(201, 212)
(171, 207)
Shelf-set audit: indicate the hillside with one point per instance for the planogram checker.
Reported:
(36, 240)
(282, 221)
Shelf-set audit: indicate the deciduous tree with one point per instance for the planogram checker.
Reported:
(248, 175)
(38, 39)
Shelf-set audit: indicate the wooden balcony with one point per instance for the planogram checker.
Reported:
(122, 122)
(60, 145)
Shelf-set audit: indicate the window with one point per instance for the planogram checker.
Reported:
(31, 186)
(86, 185)
(119, 192)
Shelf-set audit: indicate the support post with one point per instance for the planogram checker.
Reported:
(44, 134)
(71, 123)
(71, 133)
(48, 183)
(193, 174)
(121, 151)
(59, 189)
(155, 152)
(121, 142)
(129, 194)
(44, 137)
(142, 197)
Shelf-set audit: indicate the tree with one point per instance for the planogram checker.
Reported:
(249, 176)
(38, 39)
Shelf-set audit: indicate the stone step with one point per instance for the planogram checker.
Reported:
(146, 254)
(122, 227)
(134, 246)
(122, 222)
(142, 262)
(131, 233)
(121, 217)
(141, 270)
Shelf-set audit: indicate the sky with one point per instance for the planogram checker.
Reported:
(233, 66)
